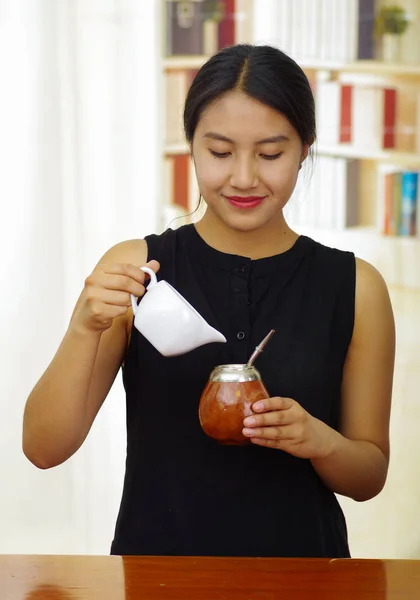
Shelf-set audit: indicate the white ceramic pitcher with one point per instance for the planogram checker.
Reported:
(168, 321)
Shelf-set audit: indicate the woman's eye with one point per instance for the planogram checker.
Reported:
(219, 154)
(271, 156)
(264, 156)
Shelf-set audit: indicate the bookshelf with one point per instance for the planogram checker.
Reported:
(377, 67)
(183, 62)
(396, 256)
(402, 158)
(371, 67)
(374, 67)
(175, 149)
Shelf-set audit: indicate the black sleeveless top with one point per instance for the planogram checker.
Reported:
(185, 494)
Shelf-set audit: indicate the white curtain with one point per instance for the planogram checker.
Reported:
(79, 159)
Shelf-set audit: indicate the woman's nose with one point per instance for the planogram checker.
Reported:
(244, 174)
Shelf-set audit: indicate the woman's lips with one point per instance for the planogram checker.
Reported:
(245, 201)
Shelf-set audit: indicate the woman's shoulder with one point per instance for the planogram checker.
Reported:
(129, 251)
(333, 260)
(140, 251)
(165, 244)
(371, 288)
(333, 264)
(330, 253)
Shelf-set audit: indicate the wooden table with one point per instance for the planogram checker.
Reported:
(150, 578)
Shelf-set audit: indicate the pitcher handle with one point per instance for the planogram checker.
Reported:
(153, 282)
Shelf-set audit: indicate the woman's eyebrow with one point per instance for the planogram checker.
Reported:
(270, 140)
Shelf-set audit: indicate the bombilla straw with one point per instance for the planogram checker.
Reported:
(260, 348)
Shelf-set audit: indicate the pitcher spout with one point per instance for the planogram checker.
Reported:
(212, 335)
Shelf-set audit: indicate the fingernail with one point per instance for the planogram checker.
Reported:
(248, 432)
(249, 421)
(258, 406)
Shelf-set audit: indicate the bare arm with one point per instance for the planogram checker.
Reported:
(64, 403)
(356, 463)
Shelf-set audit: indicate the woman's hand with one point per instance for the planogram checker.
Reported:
(106, 294)
(283, 424)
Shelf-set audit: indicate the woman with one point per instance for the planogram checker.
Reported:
(249, 119)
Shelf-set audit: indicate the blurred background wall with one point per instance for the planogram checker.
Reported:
(92, 153)
(79, 107)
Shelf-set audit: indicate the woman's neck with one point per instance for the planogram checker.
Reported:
(273, 238)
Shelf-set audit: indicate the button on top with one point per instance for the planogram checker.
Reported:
(241, 269)
(240, 335)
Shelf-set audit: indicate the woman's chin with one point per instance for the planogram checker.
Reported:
(246, 221)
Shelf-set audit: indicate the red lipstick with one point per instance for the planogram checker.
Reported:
(245, 201)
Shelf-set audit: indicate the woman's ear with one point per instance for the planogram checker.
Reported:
(305, 150)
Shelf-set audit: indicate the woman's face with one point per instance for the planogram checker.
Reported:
(247, 158)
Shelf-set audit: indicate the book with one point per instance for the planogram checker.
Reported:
(397, 200)
(417, 128)
(210, 37)
(180, 184)
(373, 117)
(409, 196)
(388, 226)
(176, 91)
(334, 112)
(346, 114)
(184, 27)
(396, 203)
(283, 18)
(366, 30)
(326, 25)
(244, 17)
(181, 181)
(408, 123)
(389, 117)
(328, 111)
(346, 203)
(226, 28)
(177, 84)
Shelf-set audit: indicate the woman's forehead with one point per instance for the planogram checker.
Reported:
(236, 114)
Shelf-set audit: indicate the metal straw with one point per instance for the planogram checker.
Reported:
(260, 348)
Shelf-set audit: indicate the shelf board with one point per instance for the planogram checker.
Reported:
(342, 150)
(375, 67)
(184, 62)
(193, 61)
(172, 149)
(320, 64)
(382, 68)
